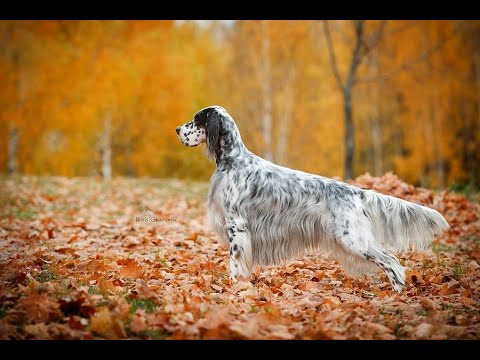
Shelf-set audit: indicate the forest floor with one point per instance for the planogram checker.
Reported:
(75, 264)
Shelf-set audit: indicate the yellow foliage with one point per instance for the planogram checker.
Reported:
(415, 102)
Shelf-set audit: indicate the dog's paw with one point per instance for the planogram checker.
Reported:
(238, 270)
(234, 270)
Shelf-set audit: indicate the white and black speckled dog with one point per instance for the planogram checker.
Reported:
(267, 213)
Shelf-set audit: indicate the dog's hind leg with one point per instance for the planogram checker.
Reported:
(241, 261)
(354, 234)
(390, 264)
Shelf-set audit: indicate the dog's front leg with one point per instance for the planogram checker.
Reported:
(241, 261)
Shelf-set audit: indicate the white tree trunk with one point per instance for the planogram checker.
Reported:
(12, 150)
(107, 147)
(267, 93)
(477, 79)
(376, 128)
(285, 121)
(437, 138)
(13, 131)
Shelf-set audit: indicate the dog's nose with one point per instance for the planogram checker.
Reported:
(178, 130)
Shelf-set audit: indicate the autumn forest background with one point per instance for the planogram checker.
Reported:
(336, 98)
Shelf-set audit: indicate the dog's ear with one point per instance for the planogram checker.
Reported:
(213, 128)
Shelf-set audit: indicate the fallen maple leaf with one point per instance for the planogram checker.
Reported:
(130, 268)
(40, 308)
(448, 289)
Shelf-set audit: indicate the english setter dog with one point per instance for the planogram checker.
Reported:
(268, 214)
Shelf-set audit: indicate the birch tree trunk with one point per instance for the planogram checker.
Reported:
(13, 132)
(474, 173)
(107, 147)
(437, 135)
(267, 93)
(285, 121)
(12, 150)
(376, 127)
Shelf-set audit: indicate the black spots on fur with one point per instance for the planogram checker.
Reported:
(231, 252)
(254, 190)
(368, 256)
(345, 232)
(213, 128)
(231, 239)
(362, 195)
(394, 278)
(365, 213)
(235, 208)
(201, 117)
(235, 247)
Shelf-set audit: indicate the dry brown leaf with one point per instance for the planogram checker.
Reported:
(101, 322)
(130, 268)
(448, 289)
(38, 331)
(40, 308)
(429, 303)
(144, 290)
(139, 322)
(423, 331)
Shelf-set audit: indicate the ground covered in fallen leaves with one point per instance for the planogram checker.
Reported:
(76, 264)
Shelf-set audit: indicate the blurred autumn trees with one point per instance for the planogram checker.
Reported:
(104, 97)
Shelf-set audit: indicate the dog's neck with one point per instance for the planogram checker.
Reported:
(231, 145)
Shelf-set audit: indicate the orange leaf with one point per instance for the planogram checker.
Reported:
(192, 236)
(101, 320)
(448, 290)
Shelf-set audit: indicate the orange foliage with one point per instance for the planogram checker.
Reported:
(415, 101)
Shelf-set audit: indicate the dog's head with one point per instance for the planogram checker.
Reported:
(208, 125)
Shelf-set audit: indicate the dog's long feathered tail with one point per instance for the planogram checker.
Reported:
(401, 225)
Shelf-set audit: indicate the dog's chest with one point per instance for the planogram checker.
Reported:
(216, 211)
